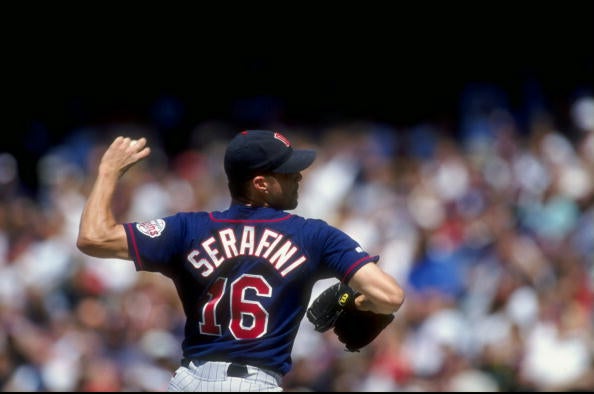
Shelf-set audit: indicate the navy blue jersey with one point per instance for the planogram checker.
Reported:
(244, 276)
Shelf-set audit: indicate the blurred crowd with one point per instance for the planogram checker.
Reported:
(489, 228)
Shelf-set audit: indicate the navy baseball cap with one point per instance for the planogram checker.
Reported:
(255, 151)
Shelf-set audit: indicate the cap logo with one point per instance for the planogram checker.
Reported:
(282, 139)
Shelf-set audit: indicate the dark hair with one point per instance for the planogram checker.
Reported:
(238, 188)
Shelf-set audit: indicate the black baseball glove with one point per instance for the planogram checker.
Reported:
(335, 308)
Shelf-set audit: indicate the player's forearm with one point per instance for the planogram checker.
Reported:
(99, 233)
(363, 303)
(380, 293)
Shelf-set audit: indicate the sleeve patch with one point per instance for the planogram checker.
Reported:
(152, 228)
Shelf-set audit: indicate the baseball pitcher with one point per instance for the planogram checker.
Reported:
(245, 275)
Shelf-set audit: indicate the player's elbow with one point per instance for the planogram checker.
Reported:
(386, 302)
(86, 245)
(390, 302)
(395, 299)
(104, 243)
(92, 244)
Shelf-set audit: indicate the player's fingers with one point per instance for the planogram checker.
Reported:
(132, 145)
(121, 143)
(143, 153)
(117, 142)
(138, 144)
(131, 150)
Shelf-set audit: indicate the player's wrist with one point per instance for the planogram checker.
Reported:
(108, 172)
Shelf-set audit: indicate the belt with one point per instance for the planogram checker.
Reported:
(237, 370)
(233, 370)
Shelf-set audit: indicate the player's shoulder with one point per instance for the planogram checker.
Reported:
(308, 220)
(189, 216)
(312, 223)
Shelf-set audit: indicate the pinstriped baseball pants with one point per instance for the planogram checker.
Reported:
(217, 376)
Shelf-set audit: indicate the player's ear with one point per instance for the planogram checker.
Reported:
(260, 183)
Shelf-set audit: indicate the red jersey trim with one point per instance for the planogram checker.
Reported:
(130, 232)
(351, 271)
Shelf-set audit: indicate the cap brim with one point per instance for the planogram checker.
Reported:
(300, 159)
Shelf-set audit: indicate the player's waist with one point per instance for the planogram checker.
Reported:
(222, 369)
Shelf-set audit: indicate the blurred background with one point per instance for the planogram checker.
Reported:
(456, 144)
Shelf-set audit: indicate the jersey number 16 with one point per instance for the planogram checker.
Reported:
(249, 319)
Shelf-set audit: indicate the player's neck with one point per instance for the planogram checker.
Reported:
(249, 203)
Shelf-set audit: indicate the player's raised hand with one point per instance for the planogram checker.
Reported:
(122, 154)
